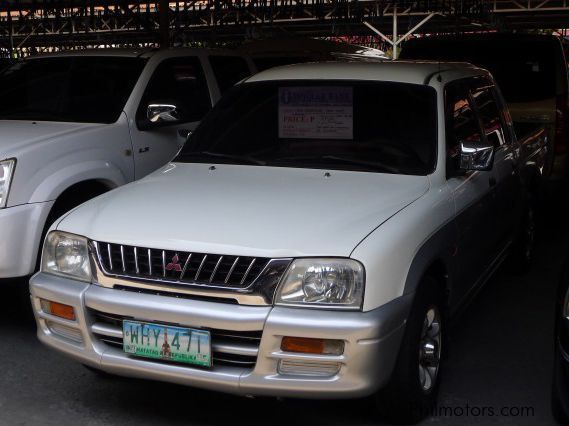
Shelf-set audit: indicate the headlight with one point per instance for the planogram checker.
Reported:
(6, 171)
(331, 283)
(66, 255)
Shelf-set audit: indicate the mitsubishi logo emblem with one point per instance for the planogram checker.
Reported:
(174, 264)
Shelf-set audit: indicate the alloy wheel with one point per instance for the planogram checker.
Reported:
(430, 349)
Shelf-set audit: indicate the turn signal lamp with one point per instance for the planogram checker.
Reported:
(58, 309)
(312, 346)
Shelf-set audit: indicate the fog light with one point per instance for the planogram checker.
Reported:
(58, 309)
(312, 346)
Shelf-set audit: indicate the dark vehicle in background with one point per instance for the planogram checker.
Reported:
(531, 70)
(273, 52)
(5, 63)
(560, 388)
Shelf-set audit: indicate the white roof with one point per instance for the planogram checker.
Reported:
(417, 72)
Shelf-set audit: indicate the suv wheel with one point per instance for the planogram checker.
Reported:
(523, 248)
(413, 387)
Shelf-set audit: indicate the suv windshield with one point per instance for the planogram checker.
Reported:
(86, 89)
(362, 126)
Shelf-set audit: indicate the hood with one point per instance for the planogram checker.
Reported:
(246, 210)
(16, 135)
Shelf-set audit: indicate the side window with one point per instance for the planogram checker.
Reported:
(228, 70)
(180, 81)
(462, 123)
(492, 120)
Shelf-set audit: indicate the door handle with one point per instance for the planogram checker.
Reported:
(492, 181)
(143, 150)
(184, 133)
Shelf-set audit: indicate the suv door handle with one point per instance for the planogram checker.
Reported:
(143, 150)
(492, 181)
(184, 133)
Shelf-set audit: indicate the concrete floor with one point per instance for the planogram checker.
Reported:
(501, 356)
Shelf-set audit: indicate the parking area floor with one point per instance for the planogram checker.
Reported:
(498, 372)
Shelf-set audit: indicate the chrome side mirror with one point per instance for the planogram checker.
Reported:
(476, 155)
(162, 113)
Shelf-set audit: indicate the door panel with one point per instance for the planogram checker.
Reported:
(473, 192)
(475, 200)
(498, 131)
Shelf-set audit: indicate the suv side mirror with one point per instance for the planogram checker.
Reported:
(157, 113)
(476, 155)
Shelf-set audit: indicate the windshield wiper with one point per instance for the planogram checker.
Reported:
(240, 158)
(371, 165)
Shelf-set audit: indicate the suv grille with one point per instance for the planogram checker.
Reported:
(229, 347)
(184, 267)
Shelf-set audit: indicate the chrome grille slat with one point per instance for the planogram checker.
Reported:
(248, 270)
(231, 270)
(203, 269)
(110, 256)
(136, 261)
(200, 268)
(215, 269)
(185, 267)
(122, 259)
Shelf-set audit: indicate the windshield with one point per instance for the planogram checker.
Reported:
(363, 126)
(88, 89)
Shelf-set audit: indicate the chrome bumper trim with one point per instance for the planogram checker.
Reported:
(372, 341)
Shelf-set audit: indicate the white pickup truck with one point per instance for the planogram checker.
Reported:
(74, 125)
(311, 239)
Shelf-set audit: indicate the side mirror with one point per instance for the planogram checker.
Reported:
(476, 156)
(162, 113)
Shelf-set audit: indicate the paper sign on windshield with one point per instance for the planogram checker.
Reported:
(316, 113)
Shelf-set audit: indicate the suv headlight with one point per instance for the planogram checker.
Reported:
(331, 283)
(6, 172)
(66, 255)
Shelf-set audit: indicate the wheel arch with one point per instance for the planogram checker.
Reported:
(70, 198)
(435, 259)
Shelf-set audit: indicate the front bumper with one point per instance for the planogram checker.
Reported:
(372, 340)
(20, 233)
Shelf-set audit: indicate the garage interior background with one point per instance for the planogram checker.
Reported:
(32, 26)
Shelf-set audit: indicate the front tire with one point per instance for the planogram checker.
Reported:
(559, 391)
(412, 390)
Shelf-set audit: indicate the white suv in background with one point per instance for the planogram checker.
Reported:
(311, 239)
(74, 125)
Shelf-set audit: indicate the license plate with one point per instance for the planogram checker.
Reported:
(167, 343)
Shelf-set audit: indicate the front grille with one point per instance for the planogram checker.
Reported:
(229, 347)
(184, 267)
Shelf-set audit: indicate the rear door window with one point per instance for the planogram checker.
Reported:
(490, 116)
(229, 70)
(462, 122)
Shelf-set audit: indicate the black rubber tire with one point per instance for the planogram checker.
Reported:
(403, 401)
(523, 248)
(559, 391)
